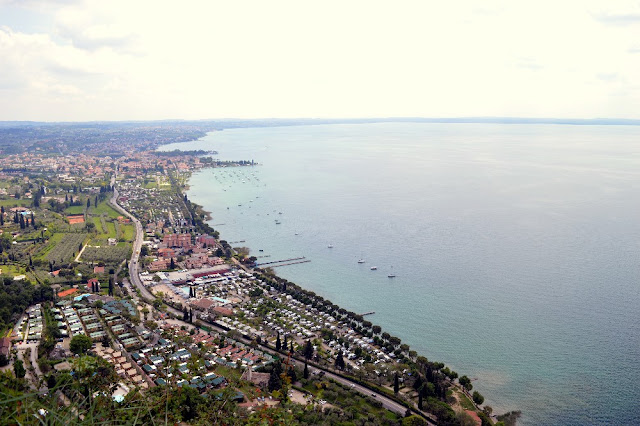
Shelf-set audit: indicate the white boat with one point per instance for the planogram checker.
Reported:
(391, 274)
(361, 261)
(374, 268)
(330, 246)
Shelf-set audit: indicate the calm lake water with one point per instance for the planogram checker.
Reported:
(516, 248)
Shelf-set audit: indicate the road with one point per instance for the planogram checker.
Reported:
(134, 277)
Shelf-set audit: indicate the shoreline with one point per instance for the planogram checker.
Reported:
(460, 389)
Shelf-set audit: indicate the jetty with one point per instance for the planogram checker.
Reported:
(294, 259)
(291, 263)
(368, 313)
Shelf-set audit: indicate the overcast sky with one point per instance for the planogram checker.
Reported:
(76, 60)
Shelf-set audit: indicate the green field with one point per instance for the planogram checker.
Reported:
(129, 232)
(12, 202)
(74, 210)
(104, 207)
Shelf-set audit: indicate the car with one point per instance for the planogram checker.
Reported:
(374, 395)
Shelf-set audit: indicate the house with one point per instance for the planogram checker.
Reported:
(5, 346)
(203, 304)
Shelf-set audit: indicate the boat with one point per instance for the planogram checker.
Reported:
(330, 246)
(277, 222)
(391, 274)
(361, 261)
(374, 268)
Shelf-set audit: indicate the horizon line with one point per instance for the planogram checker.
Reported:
(354, 120)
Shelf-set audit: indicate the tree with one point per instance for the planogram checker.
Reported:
(96, 201)
(376, 329)
(22, 224)
(308, 350)
(172, 264)
(465, 382)
(80, 344)
(278, 343)
(88, 202)
(18, 369)
(105, 340)
(305, 373)
(275, 381)
(285, 344)
(110, 286)
(477, 398)
(340, 361)
(396, 384)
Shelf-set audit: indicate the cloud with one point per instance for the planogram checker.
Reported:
(618, 19)
(608, 76)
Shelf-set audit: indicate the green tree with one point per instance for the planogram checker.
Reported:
(340, 361)
(80, 344)
(465, 382)
(278, 343)
(305, 373)
(275, 379)
(396, 384)
(308, 350)
(18, 369)
(477, 398)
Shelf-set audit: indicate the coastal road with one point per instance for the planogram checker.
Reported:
(137, 245)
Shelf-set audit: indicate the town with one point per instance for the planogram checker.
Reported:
(114, 280)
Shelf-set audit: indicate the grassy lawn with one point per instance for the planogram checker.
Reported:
(12, 202)
(74, 210)
(465, 402)
(128, 232)
(103, 207)
(150, 185)
(12, 270)
(96, 221)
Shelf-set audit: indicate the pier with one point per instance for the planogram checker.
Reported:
(291, 263)
(368, 313)
(283, 261)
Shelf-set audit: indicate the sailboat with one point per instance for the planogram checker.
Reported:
(391, 274)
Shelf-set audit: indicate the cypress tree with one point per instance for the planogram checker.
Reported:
(396, 384)
(278, 343)
(285, 344)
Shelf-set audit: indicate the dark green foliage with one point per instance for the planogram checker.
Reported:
(16, 296)
(275, 381)
(80, 344)
(477, 397)
(465, 382)
(308, 350)
(18, 369)
(340, 361)
(396, 384)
